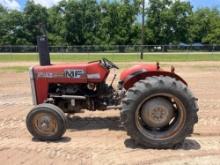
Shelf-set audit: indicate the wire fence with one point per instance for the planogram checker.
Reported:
(113, 48)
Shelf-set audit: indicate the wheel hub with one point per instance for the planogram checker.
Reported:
(45, 124)
(157, 112)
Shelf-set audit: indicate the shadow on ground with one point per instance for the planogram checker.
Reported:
(93, 123)
(76, 123)
(62, 140)
(188, 144)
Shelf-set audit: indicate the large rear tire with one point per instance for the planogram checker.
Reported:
(46, 122)
(159, 112)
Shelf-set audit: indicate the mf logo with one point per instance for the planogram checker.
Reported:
(74, 73)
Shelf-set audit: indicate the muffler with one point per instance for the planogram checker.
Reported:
(43, 49)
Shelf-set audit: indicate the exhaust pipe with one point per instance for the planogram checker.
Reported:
(43, 49)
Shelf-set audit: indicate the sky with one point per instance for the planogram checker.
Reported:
(19, 4)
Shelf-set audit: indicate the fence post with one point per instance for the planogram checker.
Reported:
(11, 51)
(213, 48)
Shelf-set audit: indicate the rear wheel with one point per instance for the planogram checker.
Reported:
(159, 112)
(46, 122)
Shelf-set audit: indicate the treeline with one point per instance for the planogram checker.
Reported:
(88, 22)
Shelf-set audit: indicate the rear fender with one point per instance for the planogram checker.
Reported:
(142, 74)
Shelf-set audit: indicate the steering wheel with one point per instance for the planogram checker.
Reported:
(108, 64)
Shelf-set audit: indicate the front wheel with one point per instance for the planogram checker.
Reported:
(46, 122)
(159, 112)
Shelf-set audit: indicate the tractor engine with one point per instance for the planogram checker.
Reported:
(71, 98)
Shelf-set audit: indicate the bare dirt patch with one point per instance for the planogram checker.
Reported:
(97, 137)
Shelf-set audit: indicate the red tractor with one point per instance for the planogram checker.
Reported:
(157, 108)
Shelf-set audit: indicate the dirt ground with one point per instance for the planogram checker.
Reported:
(97, 137)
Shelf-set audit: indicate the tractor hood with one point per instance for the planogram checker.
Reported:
(43, 76)
(136, 69)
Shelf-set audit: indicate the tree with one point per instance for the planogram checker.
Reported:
(213, 37)
(36, 21)
(205, 26)
(11, 28)
(169, 21)
(3, 13)
(157, 21)
(110, 22)
(56, 25)
(118, 22)
(81, 21)
(181, 13)
(15, 33)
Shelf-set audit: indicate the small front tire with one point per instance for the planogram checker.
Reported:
(46, 122)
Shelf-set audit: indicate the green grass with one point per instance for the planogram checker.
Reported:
(113, 57)
(16, 69)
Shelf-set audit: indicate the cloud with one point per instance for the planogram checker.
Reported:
(10, 4)
(47, 3)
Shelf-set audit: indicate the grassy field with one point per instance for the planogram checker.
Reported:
(32, 57)
(14, 69)
(114, 57)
